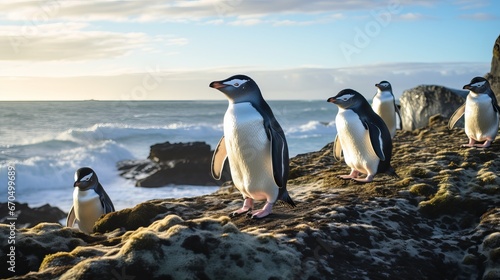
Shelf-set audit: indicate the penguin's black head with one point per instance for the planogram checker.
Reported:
(347, 98)
(85, 178)
(238, 88)
(478, 85)
(384, 86)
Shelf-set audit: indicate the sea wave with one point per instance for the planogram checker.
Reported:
(56, 169)
(311, 129)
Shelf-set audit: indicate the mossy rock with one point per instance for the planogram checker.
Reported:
(141, 215)
(423, 189)
(444, 203)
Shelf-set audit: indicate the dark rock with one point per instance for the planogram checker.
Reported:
(191, 151)
(29, 217)
(420, 103)
(173, 164)
(494, 75)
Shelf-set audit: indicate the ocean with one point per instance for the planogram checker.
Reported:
(47, 141)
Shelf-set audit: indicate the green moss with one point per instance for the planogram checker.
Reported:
(141, 215)
(441, 203)
(492, 241)
(419, 172)
(470, 260)
(495, 255)
(57, 259)
(422, 189)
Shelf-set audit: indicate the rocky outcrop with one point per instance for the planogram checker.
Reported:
(439, 220)
(420, 103)
(173, 163)
(28, 217)
(494, 75)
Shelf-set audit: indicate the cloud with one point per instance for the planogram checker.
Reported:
(180, 10)
(479, 16)
(413, 16)
(177, 42)
(68, 41)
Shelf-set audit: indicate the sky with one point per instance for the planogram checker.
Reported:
(293, 49)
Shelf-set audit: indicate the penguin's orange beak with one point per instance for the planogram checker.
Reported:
(217, 85)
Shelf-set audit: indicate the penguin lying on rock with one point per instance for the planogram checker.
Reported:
(255, 146)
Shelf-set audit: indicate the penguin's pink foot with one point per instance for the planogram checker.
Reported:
(353, 175)
(486, 144)
(471, 143)
(368, 179)
(247, 206)
(264, 212)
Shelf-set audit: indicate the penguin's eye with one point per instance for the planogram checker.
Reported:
(346, 97)
(235, 82)
(86, 178)
(478, 84)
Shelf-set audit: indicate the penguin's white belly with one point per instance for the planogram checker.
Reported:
(249, 152)
(355, 142)
(481, 121)
(384, 107)
(88, 209)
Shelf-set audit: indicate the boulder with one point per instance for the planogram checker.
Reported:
(173, 164)
(420, 103)
(191, 151)
(494, 75)
(29, 217)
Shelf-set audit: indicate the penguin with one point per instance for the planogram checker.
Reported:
(481, 112)
(90, 201)
(362, 136)
(384, 105)
(255, 146)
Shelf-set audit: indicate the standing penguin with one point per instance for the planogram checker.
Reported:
(384, 105)
(90, 201)
(362, 136)
(481, 113)
(255, 146)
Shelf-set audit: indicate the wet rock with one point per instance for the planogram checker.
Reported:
(173, 164)
(29, 217)
(420, 103)
(494, 75)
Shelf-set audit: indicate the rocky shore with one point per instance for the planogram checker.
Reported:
(439, 220)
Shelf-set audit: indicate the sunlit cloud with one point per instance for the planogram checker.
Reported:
(67, 41)
(479, 16)
(117, 11)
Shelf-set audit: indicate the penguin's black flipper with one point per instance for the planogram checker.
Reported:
(218, 159)
(376, 140)
(279, 155)
(399, 122)
(105, 200)
(456, 116)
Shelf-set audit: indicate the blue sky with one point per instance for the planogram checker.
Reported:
(135, 50)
